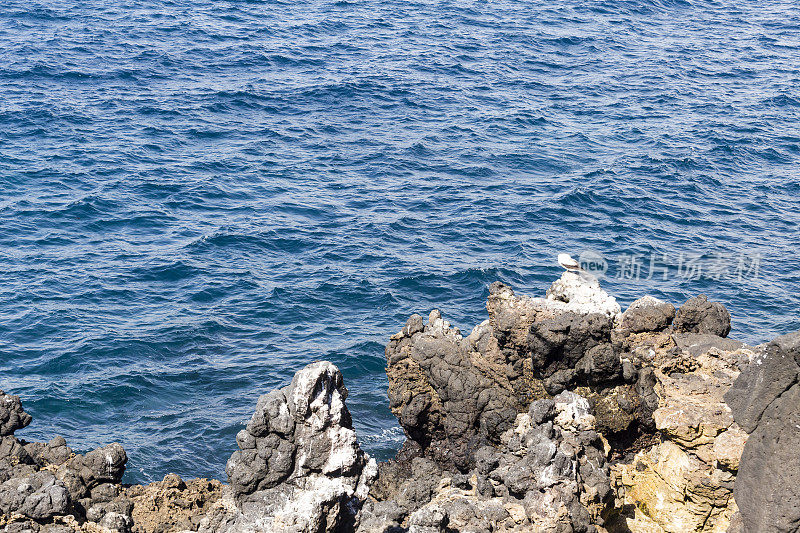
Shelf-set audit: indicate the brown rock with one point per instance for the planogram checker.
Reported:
(172, 504)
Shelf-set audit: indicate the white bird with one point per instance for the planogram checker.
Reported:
(566, 261)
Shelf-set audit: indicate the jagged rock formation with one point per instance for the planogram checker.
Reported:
(299, 467)
(766, 403)
(555, 414)
(549, 473)
(449, 395)
(39, 496)
(453, 395)
(12, 415)
(47, 484)
(648, 375)
(534, 334)
(552, 345)
(685, 482)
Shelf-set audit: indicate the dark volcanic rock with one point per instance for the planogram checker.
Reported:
(550, 346)
(449, 397)
(698, 315)
(295, 431)
(699, 343)
(12, 415)
(767, 488)
(770, 375)
(56, 452)
(45, 481)
(14, 459)
(460, 400)
(453, 395)
(82, 473)
(548, 473)
(647, 314)
(765, 401)
(546, 341)
(575, 347)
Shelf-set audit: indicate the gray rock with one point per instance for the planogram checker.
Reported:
(117, 522)
(39, 496)
(299, 467)
(698, 315)
(56, 452)
(83, 473)
(13, 448)
(295, 431)
(542, 410)
(560, 343)
(380, 517)
(767, 488)
(414, 494)
(551, 463)
(428, 520)
(115, 514)
(765, 401)
(55, 528)
(648, 314)
(453, 395)
(14, 457)
(42, 481)
(736, 525)
(105, 464)
(699, 343)
(790, 343)
(26, 526)
(447, 404)
(767, 377)
(12, 415)
(105, 492)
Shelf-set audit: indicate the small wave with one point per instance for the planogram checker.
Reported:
(783, 100)
(209, 199)
(390, 436)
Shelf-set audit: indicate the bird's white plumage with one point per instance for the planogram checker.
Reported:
(566, 261)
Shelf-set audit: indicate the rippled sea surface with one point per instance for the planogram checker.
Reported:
(199, 198)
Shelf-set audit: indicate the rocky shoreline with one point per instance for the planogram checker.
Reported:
(556, 414)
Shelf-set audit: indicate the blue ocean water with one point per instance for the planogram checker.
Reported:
(199, 198)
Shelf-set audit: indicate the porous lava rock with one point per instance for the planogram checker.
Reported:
(647, 314)
(38, 496)
(698, 315)
(547, 473)
(12, 415)
(172, 504)
(448, 395)
(47, 487)
(454, 394)
(299, 467)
